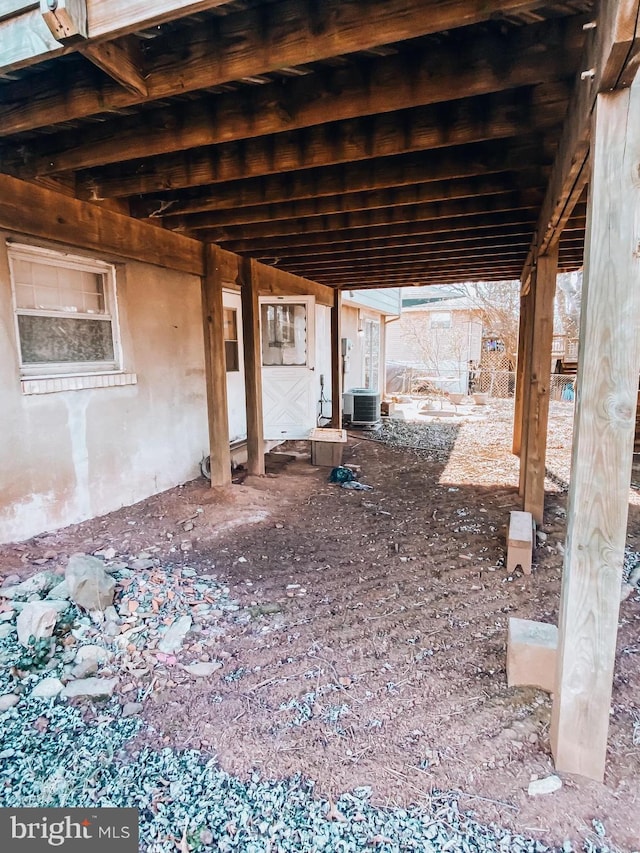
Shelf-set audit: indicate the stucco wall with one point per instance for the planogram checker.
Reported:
(72, 455)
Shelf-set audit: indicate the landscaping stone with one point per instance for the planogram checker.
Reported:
(48, 688)
(548, 785)
(87, 660)
(60, 591)
(94, 688)
(37, 619)
(37, 584)
(173, 639)
(90, 587)
(8, 701)
(202, 670)
(130, 709)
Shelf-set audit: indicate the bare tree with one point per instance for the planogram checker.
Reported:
(499, 304)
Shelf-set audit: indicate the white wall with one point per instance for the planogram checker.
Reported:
(75, 454)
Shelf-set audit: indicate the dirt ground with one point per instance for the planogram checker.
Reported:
(375, 651)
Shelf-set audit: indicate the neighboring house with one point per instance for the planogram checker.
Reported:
(366, 320)
(103, 401)
(437, 337)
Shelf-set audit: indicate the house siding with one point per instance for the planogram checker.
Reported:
(75, 454)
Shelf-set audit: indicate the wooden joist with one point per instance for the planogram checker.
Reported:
(610, 58)
(501, 115)
(513, 200)
(418, 193)
(533, 55)
(378, 173)
(240, 45)
(28, 36)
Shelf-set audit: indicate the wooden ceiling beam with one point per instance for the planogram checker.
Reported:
(462, 122)
(332, 252)
(362, 176)
(611, 58)
(513, 200)
(250, 43)
(417, 252)
(345, 238)
(493, 62)
(353, 202)
(122, 61)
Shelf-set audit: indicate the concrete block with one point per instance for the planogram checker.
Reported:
(531, 654)
(520, 541)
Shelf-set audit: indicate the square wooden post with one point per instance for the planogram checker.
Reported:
(252, 366)
(215, 368)
(528, 304)
(537, 415)
(336, 360)
(609, 362)
(517, 402)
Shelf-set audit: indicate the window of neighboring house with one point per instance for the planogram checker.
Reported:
(231, 339)
(371, 354)
(66, 317)
(441, 320)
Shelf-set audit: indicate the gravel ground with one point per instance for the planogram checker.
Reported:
(362, 673)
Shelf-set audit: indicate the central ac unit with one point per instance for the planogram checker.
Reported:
(361, 407)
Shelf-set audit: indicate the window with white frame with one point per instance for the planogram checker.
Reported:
(441, 320)
(66, 316)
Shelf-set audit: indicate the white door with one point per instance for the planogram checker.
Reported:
(287, 331)
(234, 356)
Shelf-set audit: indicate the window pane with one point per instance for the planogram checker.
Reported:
(231, 356)
(230, 325)
(284, 334)
(64, 339)
(60, 288)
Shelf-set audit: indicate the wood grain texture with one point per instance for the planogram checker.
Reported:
(336, 361)
(491, 117)
(123, 62)
(252, 366)
(609, 363)
(530, 56)
(246, 44)
(612, 52)
(540, 381)
(215, 367)
(39, 212)
(365, 176)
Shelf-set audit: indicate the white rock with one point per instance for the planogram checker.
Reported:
(8, 701)
(6, 630)
(37, 619)
(107, 553)
(87, 660)
(38, 584)
(60, 591)
(547, 785)
(202, 670)
(47, 688)
(175, 634)
(130, 709)
(92, 687)
(626, 591)
(90, 587)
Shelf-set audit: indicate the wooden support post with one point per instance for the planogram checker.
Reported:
(609, 362)
(517, 403)
(527, 343)
(252, 365)
(537, 414)
(336, 361)
(215, 368)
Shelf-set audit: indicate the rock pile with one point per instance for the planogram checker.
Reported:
(111, 627)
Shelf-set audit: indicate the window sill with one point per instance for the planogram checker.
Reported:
(79, 382)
